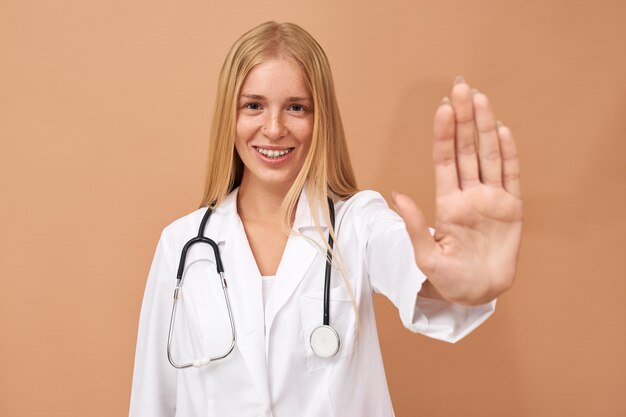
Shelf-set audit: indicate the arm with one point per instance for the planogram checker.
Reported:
(393, 272)
(154, 379)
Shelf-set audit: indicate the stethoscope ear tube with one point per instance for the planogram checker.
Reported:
(178, 294)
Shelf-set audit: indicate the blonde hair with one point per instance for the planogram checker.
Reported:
(327, 170)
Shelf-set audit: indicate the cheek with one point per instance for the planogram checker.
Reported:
(304, 132)
(243, 133)
(240, 131)
(239, 144)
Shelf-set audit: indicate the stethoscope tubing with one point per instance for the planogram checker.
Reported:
(329, 261)
(177, 291)
(200, 238)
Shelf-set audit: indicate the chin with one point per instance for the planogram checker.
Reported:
(269, 180)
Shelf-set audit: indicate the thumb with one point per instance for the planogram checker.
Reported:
(416, 226)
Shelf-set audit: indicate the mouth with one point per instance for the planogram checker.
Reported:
(274, 153)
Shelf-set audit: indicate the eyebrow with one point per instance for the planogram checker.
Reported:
(260, 97)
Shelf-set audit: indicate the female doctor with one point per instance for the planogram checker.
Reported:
(277, 153)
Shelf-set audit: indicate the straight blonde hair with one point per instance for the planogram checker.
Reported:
(327, 170)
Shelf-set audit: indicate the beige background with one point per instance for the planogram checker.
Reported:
(104, 114)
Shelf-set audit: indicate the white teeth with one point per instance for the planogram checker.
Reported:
(273, 153)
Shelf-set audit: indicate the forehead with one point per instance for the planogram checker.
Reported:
(276, 78)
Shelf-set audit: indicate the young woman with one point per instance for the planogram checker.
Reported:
(303, 250)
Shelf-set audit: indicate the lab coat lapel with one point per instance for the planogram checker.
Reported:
(303, 246)
(244, 288)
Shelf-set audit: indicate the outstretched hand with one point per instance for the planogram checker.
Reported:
(472, 257)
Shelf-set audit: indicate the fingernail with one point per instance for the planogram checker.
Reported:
(393, 197)
(444, 101)
(475, 91)
(459, 80)
(499, 124)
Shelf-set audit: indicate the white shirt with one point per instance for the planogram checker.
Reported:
(273, 371)
(268, 284)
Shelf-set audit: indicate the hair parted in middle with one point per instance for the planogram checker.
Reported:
(326, 170)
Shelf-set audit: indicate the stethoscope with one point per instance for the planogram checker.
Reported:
(324, 339)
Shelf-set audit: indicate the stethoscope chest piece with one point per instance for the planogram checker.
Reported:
(324, 341)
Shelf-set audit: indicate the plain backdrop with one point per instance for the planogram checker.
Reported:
(104, 113)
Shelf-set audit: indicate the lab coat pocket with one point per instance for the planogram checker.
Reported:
(342, 319)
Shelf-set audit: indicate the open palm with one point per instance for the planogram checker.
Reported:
(472, 256)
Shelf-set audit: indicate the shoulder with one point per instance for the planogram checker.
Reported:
(183, 227)
(364, 209)
(221, 223)
(364, 204)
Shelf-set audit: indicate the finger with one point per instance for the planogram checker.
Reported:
(444, 158)
(416, 226)
(467, 159)
(488, 146)
(510, 161)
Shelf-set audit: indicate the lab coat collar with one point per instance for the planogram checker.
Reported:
(304, 217)
(224, 219)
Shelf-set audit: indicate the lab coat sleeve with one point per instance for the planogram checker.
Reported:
(393, 272)
(154, 380)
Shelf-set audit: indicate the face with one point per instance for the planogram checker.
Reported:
(274, 123)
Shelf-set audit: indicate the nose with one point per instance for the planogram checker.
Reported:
(274, 128)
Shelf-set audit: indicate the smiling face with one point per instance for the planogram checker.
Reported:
(274, 124)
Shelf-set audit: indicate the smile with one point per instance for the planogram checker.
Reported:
(273, 153)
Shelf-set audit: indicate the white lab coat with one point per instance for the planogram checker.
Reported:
(273, 371)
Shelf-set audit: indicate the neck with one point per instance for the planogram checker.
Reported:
(258, 202)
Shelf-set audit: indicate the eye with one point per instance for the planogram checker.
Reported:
(297, 108)
(252, 106)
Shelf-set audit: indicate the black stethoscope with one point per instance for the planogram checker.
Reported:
(324, 338)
